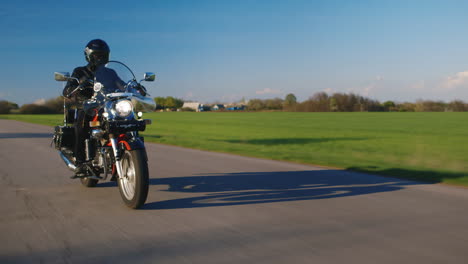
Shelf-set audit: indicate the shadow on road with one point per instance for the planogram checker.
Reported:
(270, 187)
(26, 135)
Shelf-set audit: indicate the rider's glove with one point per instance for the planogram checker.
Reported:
(85, 82)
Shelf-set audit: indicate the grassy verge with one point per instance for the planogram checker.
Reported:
(423, 146)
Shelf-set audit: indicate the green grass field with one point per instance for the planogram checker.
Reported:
(424, 146)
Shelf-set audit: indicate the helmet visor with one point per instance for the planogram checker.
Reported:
(99, 57)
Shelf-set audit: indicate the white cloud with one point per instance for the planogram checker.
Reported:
(459, 79)
(268, 91)
(40, 101)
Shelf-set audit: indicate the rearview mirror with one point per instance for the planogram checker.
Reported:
(62, 76)
(149, 77)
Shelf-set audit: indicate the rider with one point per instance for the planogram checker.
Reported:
(96, 53)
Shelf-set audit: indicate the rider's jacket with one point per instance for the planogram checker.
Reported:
(83, 74)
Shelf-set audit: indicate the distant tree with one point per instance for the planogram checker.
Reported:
(406, 107)
(178, 102)
(338, 102)
(6, 107)
(274, 104)
(160, 102)
(256, 105)
(373, 105)
(333, 104)
(55, 104)
(170, 102)
(290, 101)
(389, 106)
(341, 102)
(12, 105)
(35, 109)
(306, 106)
(457, 106)
(321, 102)
(430, 106)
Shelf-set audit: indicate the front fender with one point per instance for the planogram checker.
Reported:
(134, 143)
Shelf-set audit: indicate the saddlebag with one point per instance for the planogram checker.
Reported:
(64, 137)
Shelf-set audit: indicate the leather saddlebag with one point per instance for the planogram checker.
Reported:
(64, 137)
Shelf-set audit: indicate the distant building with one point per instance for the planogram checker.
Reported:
(217, 107)
(235, 107)
(198, 107)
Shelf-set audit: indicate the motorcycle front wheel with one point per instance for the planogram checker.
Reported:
(133, 185)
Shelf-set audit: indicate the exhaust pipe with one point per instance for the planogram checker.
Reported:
(73, 168)
(70, 165)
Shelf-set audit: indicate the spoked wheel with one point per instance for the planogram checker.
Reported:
(133, 186)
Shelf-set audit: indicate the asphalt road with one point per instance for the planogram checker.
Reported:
(206, 207)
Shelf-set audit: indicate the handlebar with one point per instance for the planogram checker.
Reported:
(80, 85)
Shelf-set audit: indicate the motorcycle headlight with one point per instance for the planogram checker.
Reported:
(123, 108)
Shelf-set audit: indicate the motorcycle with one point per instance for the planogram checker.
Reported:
(113, 145)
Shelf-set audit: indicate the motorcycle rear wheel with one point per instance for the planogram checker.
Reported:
(134, 184)
(87, 182)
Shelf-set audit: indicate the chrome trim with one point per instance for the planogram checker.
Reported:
(97, 133)
(103, 156)
(149, 77)
(70, 165)
(112, 95)
(128, 182)
(118, 161)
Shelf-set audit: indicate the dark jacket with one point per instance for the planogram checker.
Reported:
(83, 74)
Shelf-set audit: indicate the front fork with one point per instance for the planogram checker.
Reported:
(117, 155)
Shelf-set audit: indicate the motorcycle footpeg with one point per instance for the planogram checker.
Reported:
(86, 171)
(95, 177)
(78, 176)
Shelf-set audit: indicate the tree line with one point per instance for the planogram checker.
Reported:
(350, 102)
(51, 106)
(168, 102)
(319, 102)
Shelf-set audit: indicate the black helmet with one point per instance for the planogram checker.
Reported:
(97, 52)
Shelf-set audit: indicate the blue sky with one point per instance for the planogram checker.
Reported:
(227, 50)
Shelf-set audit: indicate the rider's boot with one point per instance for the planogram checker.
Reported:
(81, 170)
(85, 170)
